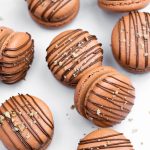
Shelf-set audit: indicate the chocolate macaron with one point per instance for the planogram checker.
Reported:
(53, 13)
(105, 139)
(123, 5)
(104, 96)
(73, 53)
(131, 42)
(26, 123)
(16, 55)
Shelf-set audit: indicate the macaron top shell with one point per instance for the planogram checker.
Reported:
(53, 11)
(26, 123)
(123, 5)
(16, 54)
(131, 42)
(104, 96)
(73, 53)
(105, 139)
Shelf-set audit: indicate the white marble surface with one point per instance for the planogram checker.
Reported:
(69, 125)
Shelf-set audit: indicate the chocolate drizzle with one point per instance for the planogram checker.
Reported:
(109, 101)
(134, 41)
(48, 9)
(72, 54)
(36, 123)
(15, 61)
(109, 141)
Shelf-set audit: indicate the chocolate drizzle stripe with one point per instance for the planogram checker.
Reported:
(18, 134)
(69, 51)
(6, 133)
(99, 138)
(147, 43)
(135, 22)
(107, 118)
(119, 30)
(106, 108)
(23, 119)
(101, 119)
(51, 124)
(56, 7)
(62, 47)
(85, 54)
(88, 66)
(130, 42)
(126, 44)
(121, 88)
(64, 38)
(109, 100)
(24, 99)
(130, 86)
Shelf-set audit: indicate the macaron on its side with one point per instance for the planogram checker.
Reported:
(104, 96)
(72, 54)
(26, 123)
(84, 85)
(53, 13)
(17, 52)
(123, 5)
(131, 42)
(105, 139)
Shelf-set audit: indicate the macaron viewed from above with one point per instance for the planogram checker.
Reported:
(105, 139)
(123, 5)
(131, 42)
(73, 53)
(104, 96)
(16, 55)
(26, 123)
(53, 13)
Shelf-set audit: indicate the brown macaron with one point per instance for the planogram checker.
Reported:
(104, 96)
(131, 42)
(105, 139)
(16, 55)
(123, 5)
(53, 13)
(73, 53)
(26, 123)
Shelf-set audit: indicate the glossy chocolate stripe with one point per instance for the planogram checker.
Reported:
(18, 134)
(24, 100)
(108, 122)
(8, 135)
(111, 118)
(99, 138)
(80, 56)
(51, 124)
(65, 44)
(56, 7)
(14, 106)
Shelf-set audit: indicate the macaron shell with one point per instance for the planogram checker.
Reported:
(61, 13)
(84, 84)
(130, 43)
(17, 49)
(123, 5)
(73, 53)
(105, 139)
(109, 99)
(36, 132)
